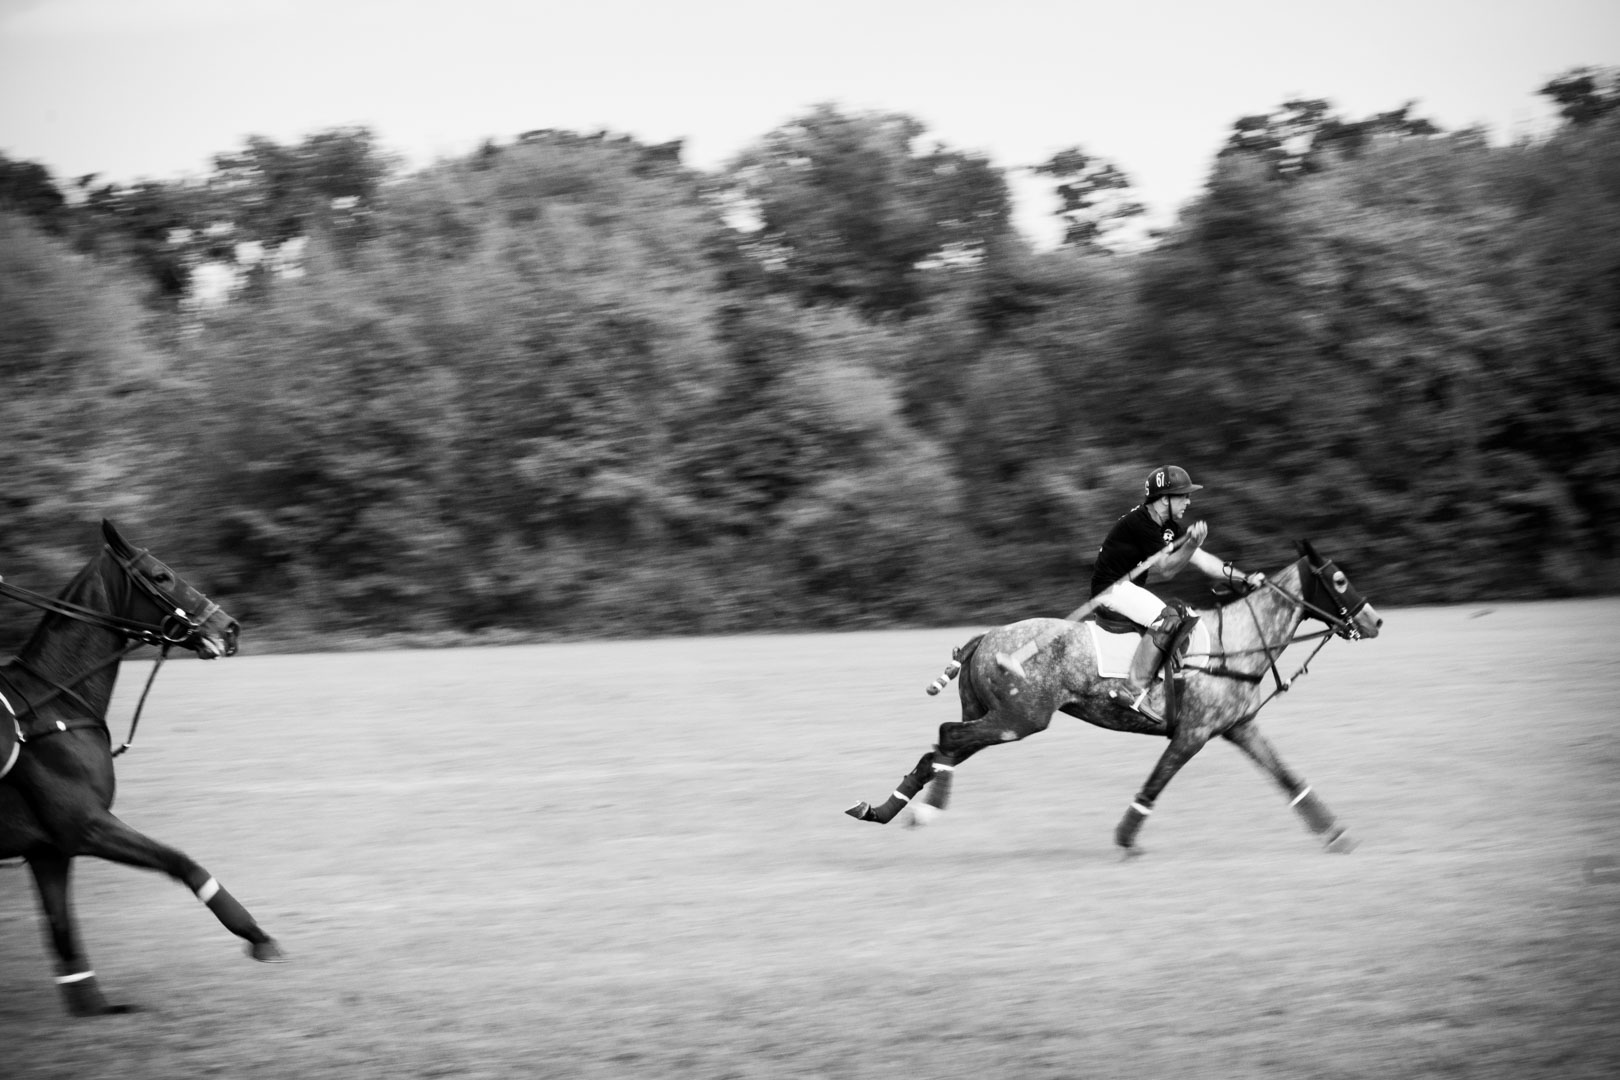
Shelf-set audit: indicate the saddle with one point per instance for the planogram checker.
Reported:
(1114, 639)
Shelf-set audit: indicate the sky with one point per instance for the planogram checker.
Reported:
(153, 89)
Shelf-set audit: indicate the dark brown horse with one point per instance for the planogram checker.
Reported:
(56, 795)
(1017, 676)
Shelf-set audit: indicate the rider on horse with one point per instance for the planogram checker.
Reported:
(1135, 538)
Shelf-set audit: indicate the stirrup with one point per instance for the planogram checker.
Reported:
(1139, 705)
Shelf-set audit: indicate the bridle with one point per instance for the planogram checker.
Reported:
(176, 626)
(1339, 624)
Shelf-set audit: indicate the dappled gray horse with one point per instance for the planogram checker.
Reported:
(1015, 677)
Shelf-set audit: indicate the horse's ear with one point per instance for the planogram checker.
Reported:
(110, 532)
(1309, 552)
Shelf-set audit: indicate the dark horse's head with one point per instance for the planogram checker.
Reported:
(162, 599)
(1330, 597)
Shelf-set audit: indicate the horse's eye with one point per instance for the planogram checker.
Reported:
(163, 577)
(1340, 582)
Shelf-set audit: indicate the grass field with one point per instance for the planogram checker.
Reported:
(629, 860)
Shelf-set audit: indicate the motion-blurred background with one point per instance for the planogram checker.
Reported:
(568, 384)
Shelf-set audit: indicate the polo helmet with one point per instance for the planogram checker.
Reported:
(1169, 480)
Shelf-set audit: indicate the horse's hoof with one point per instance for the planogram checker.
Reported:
(267, 952)
(1340, 843)
(1127, 852)
(861, 811)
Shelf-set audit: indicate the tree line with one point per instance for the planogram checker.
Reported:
(568, 386)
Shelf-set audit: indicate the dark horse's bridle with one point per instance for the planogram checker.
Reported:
(177, 626)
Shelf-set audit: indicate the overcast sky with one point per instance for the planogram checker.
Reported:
(154, 88)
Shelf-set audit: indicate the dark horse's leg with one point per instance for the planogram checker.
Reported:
(1318, 818)
(53, 881)
(105, 837)
(1180, 751)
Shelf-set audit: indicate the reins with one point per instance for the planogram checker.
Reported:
(156, 634)
(1340, 624)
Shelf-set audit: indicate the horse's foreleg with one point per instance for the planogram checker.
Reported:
(1178, 753)
(108, 838)
(74, 977)
(1318, 818)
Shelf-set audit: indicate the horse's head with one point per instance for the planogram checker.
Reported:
(182, 614)
(1330, 597)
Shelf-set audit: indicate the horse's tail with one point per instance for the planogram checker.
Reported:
(974, 702)
(959, 656)
(944, 678)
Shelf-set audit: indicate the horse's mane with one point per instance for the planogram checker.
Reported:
(69, 592)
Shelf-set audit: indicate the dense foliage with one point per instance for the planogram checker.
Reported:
(568, 386)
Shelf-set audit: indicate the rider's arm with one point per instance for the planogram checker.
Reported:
(1187, 551)
(1212, 567)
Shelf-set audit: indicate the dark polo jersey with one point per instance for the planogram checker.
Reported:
(1134, 537)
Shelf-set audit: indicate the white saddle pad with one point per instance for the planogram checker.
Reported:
(1114, 651)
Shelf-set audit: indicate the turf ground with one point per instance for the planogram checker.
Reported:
(630, 860)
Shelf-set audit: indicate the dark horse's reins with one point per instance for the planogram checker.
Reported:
(174, 629)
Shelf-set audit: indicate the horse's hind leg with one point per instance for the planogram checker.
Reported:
(1318, 818)
(74, 977)
(108, 838)
(958, 741)
(910, 784)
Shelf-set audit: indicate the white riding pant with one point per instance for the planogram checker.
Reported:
(1129, 599)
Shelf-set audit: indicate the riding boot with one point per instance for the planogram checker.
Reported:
(1144, 665)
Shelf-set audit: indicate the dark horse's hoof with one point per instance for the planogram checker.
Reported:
(83, 998)
(267, 952)
(1340, 843)
(861, 811)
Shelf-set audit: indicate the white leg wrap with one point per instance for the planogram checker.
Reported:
(1301, 796)
(1140, 809)
(63, 980)
(207, 891)
(898, 795)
